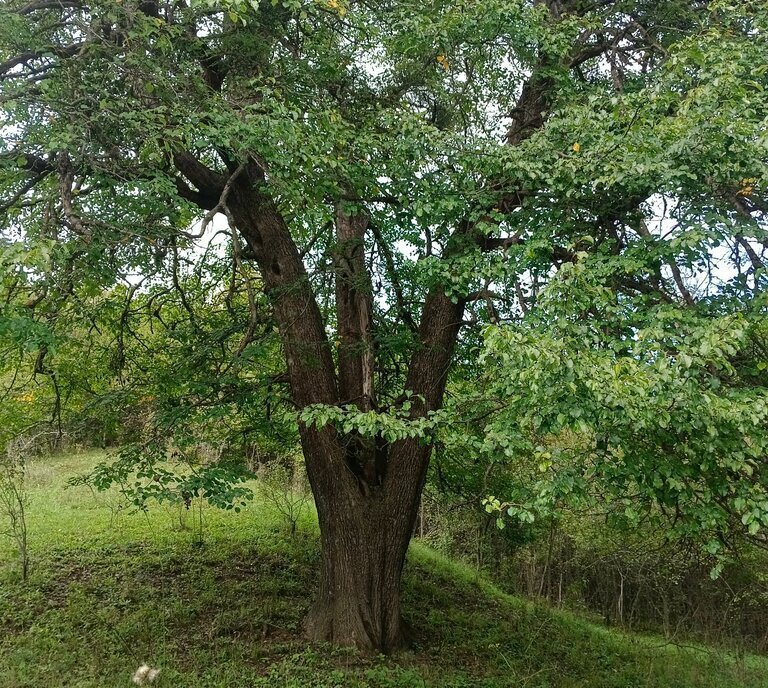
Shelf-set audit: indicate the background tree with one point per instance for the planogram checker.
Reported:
(395, 172)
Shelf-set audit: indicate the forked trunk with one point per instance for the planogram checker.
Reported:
(366, 490)
(358, 603)
(365, 536)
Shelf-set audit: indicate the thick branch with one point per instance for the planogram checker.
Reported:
(354, 310)
(286, 283)
(754, 259)
(209, 182)
(22, 191)
(24, 58)
(29, 162)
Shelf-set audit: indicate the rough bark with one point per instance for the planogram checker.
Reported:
(286, 283)
(354, 311)
(365, 532)
(358, 599)
(364, 540)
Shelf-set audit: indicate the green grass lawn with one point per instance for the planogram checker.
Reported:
(110, 590)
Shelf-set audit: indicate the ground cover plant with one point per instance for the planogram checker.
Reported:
(109, 591)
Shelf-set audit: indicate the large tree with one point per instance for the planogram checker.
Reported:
(437, 163)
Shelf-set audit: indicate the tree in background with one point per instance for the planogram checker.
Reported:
(399, 174)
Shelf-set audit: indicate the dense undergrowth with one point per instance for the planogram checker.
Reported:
(218, 601)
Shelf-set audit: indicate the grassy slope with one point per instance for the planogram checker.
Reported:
(110, 591)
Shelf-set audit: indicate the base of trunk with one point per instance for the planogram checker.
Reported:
(358, 602)
(346, 623)
(364, 539)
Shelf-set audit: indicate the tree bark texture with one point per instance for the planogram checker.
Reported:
(364, 539)
(354, 311)
(367, 493)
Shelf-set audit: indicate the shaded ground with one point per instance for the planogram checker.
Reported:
(110, 591)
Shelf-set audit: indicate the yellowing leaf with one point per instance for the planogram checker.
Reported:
(443, 62)
(576, 147)
(336, 6)
(747, 186)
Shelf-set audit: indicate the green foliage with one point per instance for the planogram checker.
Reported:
(661, 410)
(143, 479)
(393, 425)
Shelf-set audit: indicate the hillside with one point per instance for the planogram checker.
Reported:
(110, 590)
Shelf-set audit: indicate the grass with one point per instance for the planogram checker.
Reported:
(111, 590)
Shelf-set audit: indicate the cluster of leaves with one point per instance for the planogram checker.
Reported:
(391, 425)
(659, 412)
(148, 474)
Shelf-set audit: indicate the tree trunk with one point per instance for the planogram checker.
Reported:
(366, 491)
(364, 536)
(358, 602)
